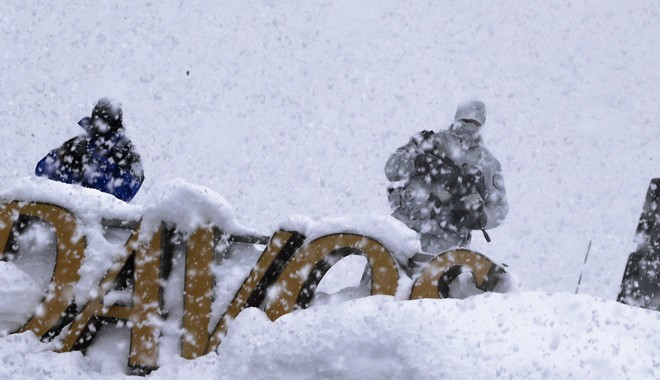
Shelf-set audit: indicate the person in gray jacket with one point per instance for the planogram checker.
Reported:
(446, 184)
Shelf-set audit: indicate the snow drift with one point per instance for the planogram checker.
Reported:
(523, 335)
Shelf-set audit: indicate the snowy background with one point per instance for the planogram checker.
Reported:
(291, 108)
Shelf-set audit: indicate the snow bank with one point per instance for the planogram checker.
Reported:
(24, 357)
(523, 335)
(19, 294)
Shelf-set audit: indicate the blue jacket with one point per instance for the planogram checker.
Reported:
(108, 163)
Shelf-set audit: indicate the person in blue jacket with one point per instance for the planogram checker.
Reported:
(103, 158)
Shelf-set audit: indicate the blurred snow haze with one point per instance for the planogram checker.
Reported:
(293, 107)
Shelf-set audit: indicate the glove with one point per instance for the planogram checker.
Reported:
(470, 212)
(73, 155)
(427, 164)
(103, 164)
(439, 169)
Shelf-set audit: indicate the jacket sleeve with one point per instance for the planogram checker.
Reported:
(111, 178)
(47, 166)
(494, 193)
(64, 163)
(401, 164)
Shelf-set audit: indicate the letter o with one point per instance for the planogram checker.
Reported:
(434, 280)
(70, 250)
(296, 284)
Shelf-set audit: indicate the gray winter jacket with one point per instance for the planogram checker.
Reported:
(417, 198)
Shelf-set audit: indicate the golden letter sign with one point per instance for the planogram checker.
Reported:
(290, 268)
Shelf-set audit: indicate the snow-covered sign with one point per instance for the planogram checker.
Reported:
(101, 275)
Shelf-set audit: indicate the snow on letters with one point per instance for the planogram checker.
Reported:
(188, 229)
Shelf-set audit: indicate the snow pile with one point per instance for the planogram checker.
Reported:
(24, 357)
(89, 205)
(189, 207)
(523, 335)
(19, 294)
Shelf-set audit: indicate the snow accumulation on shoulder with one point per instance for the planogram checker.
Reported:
(522, 335)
